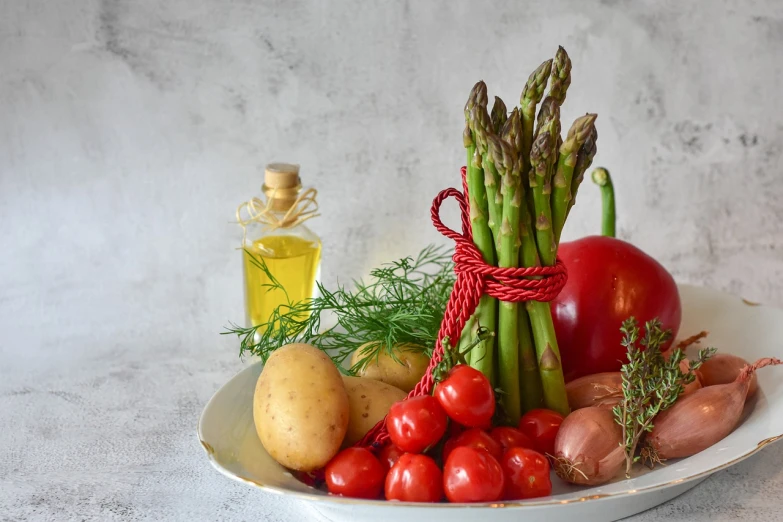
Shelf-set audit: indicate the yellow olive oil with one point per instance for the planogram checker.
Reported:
(293, 261)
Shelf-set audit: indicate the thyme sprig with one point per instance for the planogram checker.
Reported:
(651, 382)
(402, 302)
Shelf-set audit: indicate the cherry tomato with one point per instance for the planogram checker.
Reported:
(608, 281)
(416, 423)
(389, 456)
(472, 475)
(467, 396)
(414, 478)
(509, 438)
(474, 438)
(541, 426)
(355, 472)
(526, 474)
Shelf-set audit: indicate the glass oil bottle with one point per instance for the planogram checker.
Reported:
(278, 244)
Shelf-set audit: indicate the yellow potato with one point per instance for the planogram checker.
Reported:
(369, 402)
(403, 373)
(300, 407)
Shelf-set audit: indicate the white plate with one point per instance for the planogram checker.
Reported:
(736, 326)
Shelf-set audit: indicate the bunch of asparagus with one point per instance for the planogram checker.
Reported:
(522, 180)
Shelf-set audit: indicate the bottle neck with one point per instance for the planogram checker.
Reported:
(281, 199)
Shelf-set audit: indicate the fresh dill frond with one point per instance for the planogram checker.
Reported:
(651, 382)
(402, 302)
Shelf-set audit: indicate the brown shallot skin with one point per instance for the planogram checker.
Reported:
(701, 419)
(685, 368)
(603, 390)
(723, 368)
(587, 447)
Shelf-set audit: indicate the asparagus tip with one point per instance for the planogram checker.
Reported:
(477, 94)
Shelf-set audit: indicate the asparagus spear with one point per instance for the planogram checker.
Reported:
(561, 196)
(482, 127)
(561, 76)
(499, 115)
(511, 133)
(531, 95)
(547, 351)
(506, 160)
(602, 178)
(540, 181)
(529, 377)
(549, 109)
(530, 381)
(482, 356)
(584, 158)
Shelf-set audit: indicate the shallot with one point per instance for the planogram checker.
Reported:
(588, 447)
(696, 384)
(723, 368)
(701, 419)
(603, 390)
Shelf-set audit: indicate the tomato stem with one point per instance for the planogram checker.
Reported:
(602, 178)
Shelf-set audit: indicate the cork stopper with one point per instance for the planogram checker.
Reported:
(281, 185)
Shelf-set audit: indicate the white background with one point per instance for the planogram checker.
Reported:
(131, 129)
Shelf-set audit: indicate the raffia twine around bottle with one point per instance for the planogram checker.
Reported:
(268, 213)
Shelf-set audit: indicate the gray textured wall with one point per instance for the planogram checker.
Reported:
(131, 129)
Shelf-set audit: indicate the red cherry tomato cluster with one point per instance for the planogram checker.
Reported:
(444, 445)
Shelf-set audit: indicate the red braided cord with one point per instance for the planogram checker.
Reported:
(474, 279)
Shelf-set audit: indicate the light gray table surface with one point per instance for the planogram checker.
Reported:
(131, 129)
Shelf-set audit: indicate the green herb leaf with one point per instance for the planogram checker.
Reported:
(403, 302)
(651, 382)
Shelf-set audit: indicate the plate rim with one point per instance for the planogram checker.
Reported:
(313, 497)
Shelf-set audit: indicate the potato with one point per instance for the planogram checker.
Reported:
(404, 373)
(300, 407)
(369, 402)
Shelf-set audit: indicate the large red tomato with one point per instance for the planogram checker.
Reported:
(609, 280)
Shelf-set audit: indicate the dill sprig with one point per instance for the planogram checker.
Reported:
(651, 382)
(403, 302)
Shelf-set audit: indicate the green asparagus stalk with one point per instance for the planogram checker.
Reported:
(540, 181)
(508, 314)
(584, 158)
(547, 351)
(482, 127)
(602, 178)
(482, 355)
(529, 376)
(561, 195)
(531, 95)
(511, 133)
(561, 76)
(530, 382)
(499, 115)
(549, 110)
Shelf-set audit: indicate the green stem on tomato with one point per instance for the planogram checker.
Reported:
(602, 178)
